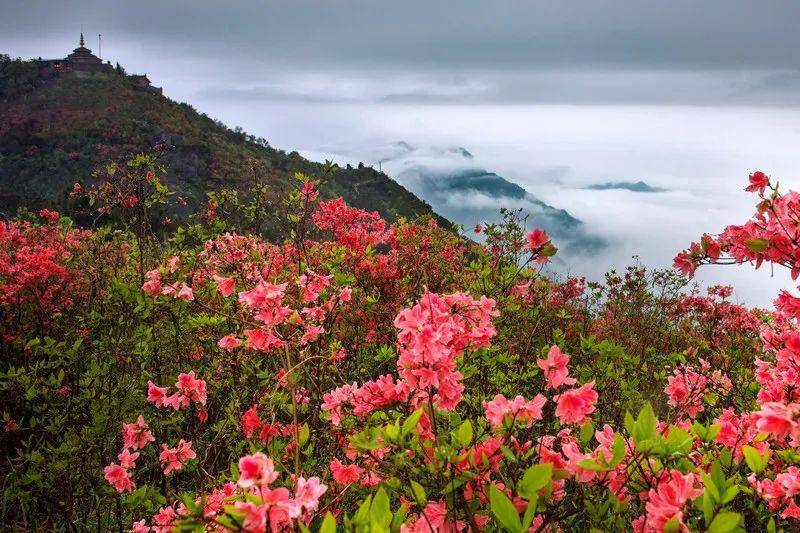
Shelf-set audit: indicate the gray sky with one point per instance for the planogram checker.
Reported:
(721, 52)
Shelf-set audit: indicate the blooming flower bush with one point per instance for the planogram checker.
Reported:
(367, 376)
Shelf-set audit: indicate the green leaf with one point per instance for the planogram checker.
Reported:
(672, 526)
(724, 522)
(757, 245)
(630, 423)
(713, 431)
(771, 525)
(418, 491)
(754, 460)
(645, 427)
(464, 433)
(535, 478)
(380, 512)
(729, 494)
(587, 432)
(362, 514)
(504, 511)
(679, 440)
(591, 464)
(707, 506)
(410, 422)
(399, 517)
(328, 524)
(392, 431)
(305, 433)
(619, 451)
(711, 488)
(530, 513)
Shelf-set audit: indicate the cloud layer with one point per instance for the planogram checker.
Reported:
(718, 52)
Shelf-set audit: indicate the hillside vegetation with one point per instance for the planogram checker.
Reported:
(364, 376)
(56, 130)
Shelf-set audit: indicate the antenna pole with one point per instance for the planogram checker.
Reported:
(100, 45)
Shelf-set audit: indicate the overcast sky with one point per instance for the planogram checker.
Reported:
(719, 52)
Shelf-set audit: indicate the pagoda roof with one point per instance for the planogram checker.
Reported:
(82, 50)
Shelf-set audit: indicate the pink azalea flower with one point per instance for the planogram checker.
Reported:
(309, 492)
(140, 526)
(225, 286)
(667, 500)
(229, 342)
(156, 395)
(685, 390)
(758, 182)
(311, 334)
(685, 263)
(127, 459)
(776, 418)
(499, 408)
(185, 293)
(250, 421)
(258, 339)
(137, 434)
(536, 239)
(255, 516)
(345, 474)
(555, 368)
(256, 470)
(345, 295)
(192, 388)
(153, 284)
(173, 459)
(119, 477)
(309, 192)
(575, 405)
(264, 294)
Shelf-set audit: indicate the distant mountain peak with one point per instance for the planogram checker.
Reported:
(638, 186)
(473, 195)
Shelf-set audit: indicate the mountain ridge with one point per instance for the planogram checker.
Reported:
(56, 129)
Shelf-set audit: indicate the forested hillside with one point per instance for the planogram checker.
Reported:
(57, 129)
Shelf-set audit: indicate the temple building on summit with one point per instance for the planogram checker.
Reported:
(83, 62)
(82, 59)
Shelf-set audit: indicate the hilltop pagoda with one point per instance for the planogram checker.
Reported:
(84, 63)
(82, 59)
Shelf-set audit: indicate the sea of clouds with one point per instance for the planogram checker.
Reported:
(700, 154)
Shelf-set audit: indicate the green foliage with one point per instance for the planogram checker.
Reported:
(207, 162)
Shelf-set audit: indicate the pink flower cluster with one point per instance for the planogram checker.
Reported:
(769, 236)
(135, 436)
(189, 389)
(783, 490)
(555, 369)
(173, 459)
(433, 333)
(371, 395)
(574, 406)
(686, 388)
(252, 424)
(499, 409)
(263, 508)
(667, 501)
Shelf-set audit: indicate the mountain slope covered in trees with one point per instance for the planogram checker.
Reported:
(56, 130)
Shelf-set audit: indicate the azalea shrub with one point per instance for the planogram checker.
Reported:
(366, 376)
